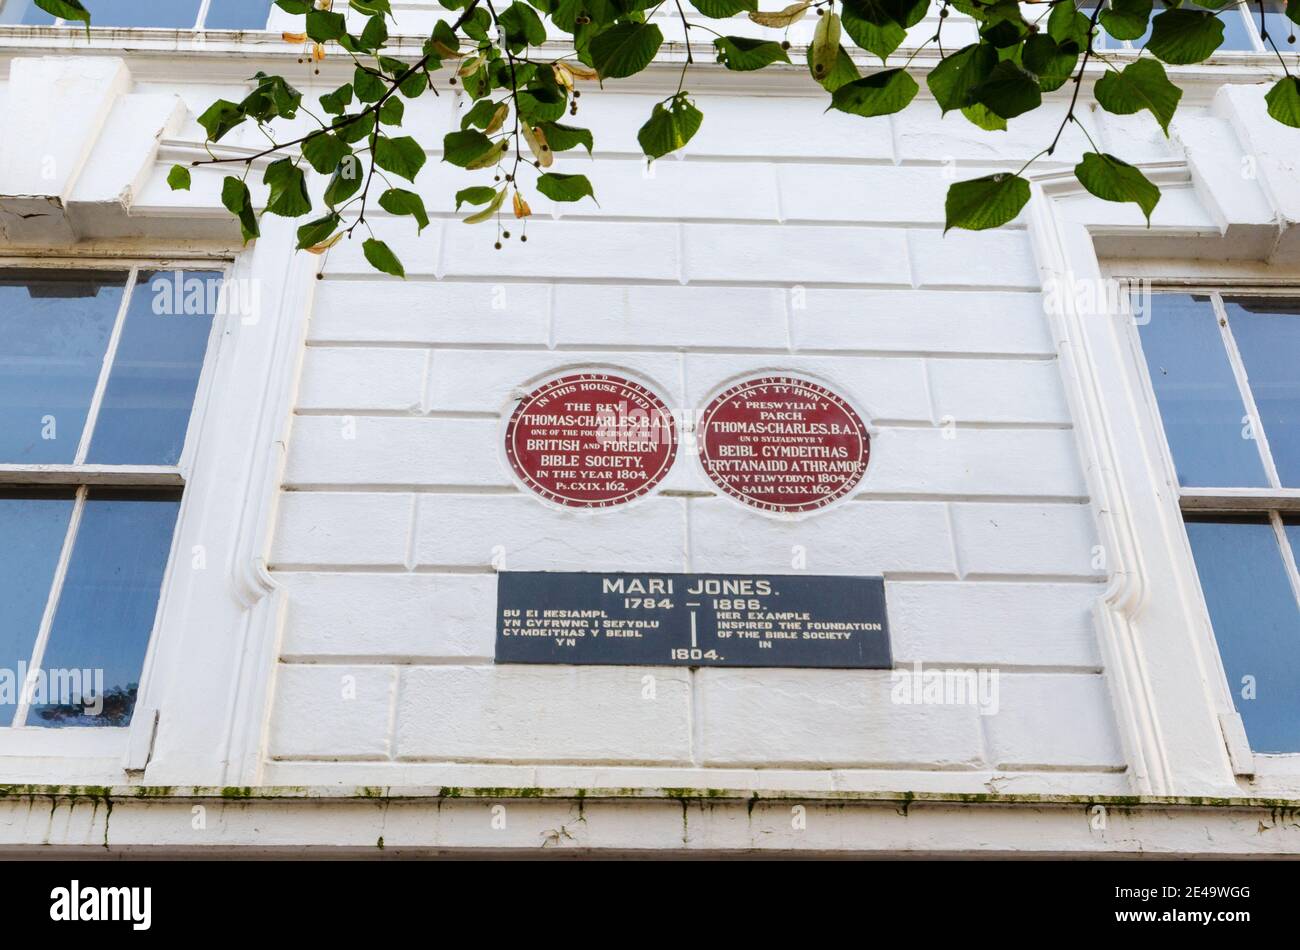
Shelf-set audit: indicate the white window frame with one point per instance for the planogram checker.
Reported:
(1273, 501)
(205, 688)
(16, 737)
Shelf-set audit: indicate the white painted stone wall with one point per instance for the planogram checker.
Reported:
(1015, 501)
(814, 246)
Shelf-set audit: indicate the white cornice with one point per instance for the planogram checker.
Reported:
(226, 56)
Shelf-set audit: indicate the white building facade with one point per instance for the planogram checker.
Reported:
(1081, 502)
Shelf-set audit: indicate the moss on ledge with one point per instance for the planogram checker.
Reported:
(749, 798)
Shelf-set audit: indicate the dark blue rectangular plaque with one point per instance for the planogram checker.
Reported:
(790, 620)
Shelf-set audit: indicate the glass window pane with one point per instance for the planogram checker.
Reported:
(1267, 331)
(238, 15)
(1238, 34)
(1279, 25)
(24, 12)
(1257, 625)
(176, 14)
(1204, 418)
(54, 329)
(33, 529)
(150, 394)
(106, 611)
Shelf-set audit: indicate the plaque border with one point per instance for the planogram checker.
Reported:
(520, 396)
(715, 397)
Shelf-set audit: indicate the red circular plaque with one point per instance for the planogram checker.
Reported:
(783, 444)
(591, 440)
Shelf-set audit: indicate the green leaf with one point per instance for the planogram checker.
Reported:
(413, 83)
(179, 178)
(68, 9)
(878, 38)
(1182, 37)
(401, 201)
(541, 102)
(315, 232)
(219, 118)
(402, 156)
(324, 25)
(564, 187)
(721, 9)
(743, 54)
(986, 120)
(493, 206)
(982, 203)
(381, 258)
(882, 93)
(379, 7)
(492, 156)
(1066, 24)
(1126, 19)
(561, 138)
(357, 129)
(1053, 63)
(1284, 101)
(475, 195)
(1009, 91)
(625, 49)
(476, 27)
(288, 185)
(1005, 32)
(237, 200)
(345, 182)
(335, 102)
(375, 33)
(844, 70)
(671, 125)
(367, 86)
(1111, 179)
(1139, 85)
(444, 36)
(904, 13)
(271, 98)
(522, 25)
(392, 111)
(296, 7)
(479, 114)
(955, 78)
(461, 148)
(324, 151)
(1293, 11)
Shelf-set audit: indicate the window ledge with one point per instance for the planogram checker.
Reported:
(34, 742)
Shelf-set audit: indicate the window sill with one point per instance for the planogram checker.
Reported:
(70, 742)
(1276, 774)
